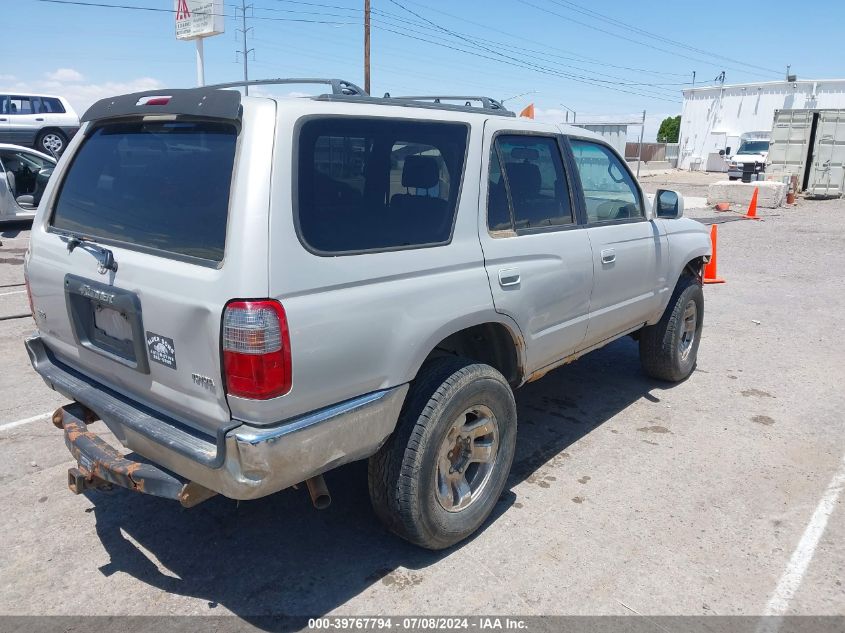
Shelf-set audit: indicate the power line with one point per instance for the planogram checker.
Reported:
(108, 5)
(573, 6)
(467, 39)
(617, 35)
(578, 57)
(576, 78)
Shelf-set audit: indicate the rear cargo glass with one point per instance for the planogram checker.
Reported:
(154, 185)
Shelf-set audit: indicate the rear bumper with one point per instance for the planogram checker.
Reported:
(243, 461)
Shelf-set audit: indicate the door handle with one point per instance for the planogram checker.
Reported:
(608, 256)
(508, 277)
(4, 119)
(40, 119)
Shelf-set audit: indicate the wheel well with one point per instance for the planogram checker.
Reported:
(488, 343)
(695, 267)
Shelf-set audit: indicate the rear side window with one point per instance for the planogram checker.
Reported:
(155, 185)
(374, 184)
(609, 190)
(50, 105)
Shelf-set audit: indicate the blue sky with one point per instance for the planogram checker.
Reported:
(605, 67)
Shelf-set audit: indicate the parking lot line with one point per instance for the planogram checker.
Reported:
(11, 425)
(14, 292)
(803, 554)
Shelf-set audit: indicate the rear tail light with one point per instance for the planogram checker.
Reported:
(256, 349)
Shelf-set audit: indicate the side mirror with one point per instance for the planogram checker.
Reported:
(721, 152)
(668, 204)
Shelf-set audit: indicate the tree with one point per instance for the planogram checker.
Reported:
(669, 130)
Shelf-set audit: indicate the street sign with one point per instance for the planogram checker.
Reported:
(198, 18)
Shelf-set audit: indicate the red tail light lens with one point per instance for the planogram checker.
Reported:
(256, 349)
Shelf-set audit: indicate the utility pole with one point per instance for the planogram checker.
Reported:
(568, 110)
(367, 46)
(693, 79)
(246, 51)
(640, 150)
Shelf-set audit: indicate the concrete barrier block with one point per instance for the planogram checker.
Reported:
(771, 196)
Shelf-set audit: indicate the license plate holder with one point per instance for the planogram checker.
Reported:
(107, 321)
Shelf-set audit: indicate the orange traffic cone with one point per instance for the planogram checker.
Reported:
(710, 275)
(752, 208)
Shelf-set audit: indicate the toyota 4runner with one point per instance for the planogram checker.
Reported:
(251, 291)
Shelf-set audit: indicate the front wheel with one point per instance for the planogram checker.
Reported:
(669, 348)
(440, 474)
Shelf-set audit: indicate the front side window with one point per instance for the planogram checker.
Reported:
(373, 184)
(609, 190)
(527, 184)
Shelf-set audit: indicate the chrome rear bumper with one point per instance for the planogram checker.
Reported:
(243, 461)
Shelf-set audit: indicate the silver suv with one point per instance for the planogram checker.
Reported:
(251, 291)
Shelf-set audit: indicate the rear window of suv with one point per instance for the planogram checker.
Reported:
(378, 184)
(152, 185)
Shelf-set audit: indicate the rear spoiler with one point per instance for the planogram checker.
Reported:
(199, 102)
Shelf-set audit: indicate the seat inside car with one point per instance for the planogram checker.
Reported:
(421, 214)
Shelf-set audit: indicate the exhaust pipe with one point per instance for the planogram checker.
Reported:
(320, 496)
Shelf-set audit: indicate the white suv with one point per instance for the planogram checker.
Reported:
(44, 122)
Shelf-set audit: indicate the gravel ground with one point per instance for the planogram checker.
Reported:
(626, 494)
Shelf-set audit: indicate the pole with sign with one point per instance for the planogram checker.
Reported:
(195, 20)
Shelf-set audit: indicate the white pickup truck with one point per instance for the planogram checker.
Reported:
(753, 150)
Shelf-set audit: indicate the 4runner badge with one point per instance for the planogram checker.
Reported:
(161, 350)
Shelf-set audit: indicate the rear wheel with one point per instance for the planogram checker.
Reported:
(669, 348)
(441, 473)
(51, 142)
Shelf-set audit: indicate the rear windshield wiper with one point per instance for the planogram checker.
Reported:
(104, 256)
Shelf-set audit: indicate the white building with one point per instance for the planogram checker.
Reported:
(713, 117)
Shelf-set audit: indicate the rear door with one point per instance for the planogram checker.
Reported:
(629, 249)
(24, 121)
(181, 208)
(828, 168)
(537, 257)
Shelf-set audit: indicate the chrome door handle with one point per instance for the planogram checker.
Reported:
(508, 277)
(608, 256)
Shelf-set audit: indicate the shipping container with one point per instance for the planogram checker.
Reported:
(809, 144)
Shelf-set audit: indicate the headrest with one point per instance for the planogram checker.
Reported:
(524, 179)
(421, 172)
(524, 153)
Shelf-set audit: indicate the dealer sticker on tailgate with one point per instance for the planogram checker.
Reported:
(161, 349)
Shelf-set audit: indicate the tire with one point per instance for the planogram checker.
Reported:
(415, 485)
(733, 178)
(51, 142)
(666, 351)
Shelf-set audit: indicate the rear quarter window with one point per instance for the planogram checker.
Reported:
(377, 184)
(154, 185)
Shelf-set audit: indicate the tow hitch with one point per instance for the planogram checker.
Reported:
(100, 465)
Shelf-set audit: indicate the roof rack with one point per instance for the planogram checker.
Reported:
(339, 86)
(487, 103)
